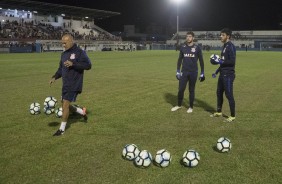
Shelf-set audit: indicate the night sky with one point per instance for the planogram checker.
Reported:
(198, 15)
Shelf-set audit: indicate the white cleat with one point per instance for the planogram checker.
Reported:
(190, 110)
(175, 108)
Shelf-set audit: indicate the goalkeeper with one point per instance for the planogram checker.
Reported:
(227, 74)
(188, 56)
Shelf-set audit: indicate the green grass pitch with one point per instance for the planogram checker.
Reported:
(129, 96)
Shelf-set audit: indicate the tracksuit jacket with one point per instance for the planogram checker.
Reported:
(73, 76)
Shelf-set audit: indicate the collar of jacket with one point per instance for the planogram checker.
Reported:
(186, 43)
(72, 48)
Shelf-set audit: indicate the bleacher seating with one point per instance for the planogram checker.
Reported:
(241, 39)
(14, 29)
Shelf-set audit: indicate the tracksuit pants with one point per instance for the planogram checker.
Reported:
(225, 84)
(191, 79)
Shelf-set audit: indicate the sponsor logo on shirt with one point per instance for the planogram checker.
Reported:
(189, 55)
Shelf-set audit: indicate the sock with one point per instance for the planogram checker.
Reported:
(63, 126)
(79, 111)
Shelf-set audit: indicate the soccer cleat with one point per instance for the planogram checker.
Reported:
(175, 108)
(77, 106)
(216, 114)
(59, 132)
(84, 114)
(190, 110)
(229, 119)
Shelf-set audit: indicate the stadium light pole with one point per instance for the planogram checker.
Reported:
(177, 2)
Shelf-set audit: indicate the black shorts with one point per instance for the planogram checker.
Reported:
(70, 96)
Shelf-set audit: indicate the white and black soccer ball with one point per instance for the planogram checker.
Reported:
(214, 59)
(50, 102)
(59, 112)
(130, 151)
(163, 158)
(191, 158)
(223, 144)
(48, 111)
(34, 108)
(144, 159)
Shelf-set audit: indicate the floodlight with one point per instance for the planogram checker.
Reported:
(177, 1)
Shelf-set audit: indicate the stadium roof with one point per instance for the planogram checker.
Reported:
(43, 8)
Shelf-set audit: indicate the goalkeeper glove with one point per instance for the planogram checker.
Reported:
(202, 77)
(215, 59)
(178, 74)
(216, 72)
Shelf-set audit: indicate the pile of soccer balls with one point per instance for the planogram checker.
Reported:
(144, 158)
(49, 107)
(190, 158)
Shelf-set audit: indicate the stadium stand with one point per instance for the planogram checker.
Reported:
(29, 26)
(41, 29)
(253, 39)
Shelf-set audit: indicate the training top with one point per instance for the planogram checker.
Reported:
(228, 54)
(73, 76)
(188, 57)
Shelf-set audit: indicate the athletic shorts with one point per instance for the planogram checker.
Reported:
(70, 96)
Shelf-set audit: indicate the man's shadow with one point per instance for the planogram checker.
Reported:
(73, 118)
(172, 99)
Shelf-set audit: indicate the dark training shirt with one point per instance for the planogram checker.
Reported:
(228, 54)
(188, 57)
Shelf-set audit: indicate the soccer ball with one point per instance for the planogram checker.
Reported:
(163, 158)
(50, 102)
(59, 112)
(48, 111)
(130, 151)
(214, 59)
(223, 144)
(191, 158)
(34, 108)
(144, 159)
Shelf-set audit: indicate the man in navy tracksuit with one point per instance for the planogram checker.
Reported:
(71, 68)
(227, 74)
(188, 58)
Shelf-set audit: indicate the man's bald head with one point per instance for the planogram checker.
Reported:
(67, 41)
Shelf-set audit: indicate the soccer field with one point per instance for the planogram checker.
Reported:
(129, 96)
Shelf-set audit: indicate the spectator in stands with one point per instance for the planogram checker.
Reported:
(188, 57)
(71, 68)
(227, 74)
(23, 29)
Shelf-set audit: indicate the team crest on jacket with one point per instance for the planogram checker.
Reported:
(72, 56)
(193, 49)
